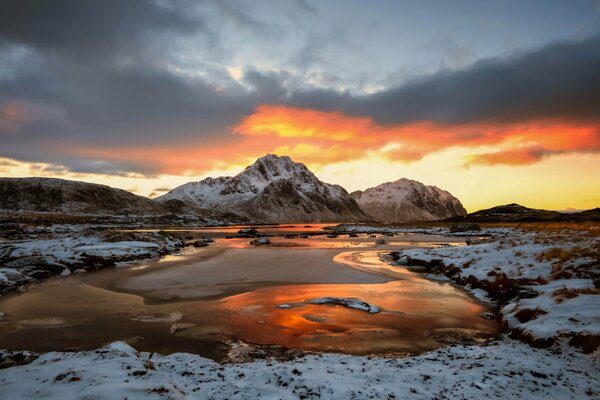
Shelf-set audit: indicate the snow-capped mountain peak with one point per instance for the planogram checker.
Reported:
(273, 189)
(406, 200)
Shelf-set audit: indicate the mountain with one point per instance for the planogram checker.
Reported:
(63, 201)
(406, 200)
(273, 189)
(64, 196)
(518, 213)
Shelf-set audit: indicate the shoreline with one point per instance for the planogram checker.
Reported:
(491, 362)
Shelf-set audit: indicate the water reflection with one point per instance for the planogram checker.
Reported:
(414, 315)
(191, 302)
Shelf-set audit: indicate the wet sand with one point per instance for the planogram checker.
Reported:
(198, 300)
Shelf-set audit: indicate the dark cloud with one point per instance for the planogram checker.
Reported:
(90, 30)
(559, 81)
(95, 74)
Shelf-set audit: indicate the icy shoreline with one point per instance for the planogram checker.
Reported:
(34, 257)
(546, 283)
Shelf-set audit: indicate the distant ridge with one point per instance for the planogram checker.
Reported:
(65, 196)
(517, 213)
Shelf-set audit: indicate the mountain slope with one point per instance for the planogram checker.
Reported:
(273, 189)
(64, 196)
(406, 200)
(517, 213)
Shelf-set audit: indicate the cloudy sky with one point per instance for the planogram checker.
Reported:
(495, 101)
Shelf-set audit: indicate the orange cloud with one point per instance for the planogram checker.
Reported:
(289, 122)
(321, 138)
(518, 156)
(332, 136)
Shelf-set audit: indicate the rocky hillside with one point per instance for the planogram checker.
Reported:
(518, 213)
(63, 196)
(273, 189)
(406, 200)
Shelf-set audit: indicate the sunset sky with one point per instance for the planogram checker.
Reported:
(494, 101)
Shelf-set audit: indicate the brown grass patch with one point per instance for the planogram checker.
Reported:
(563, 294)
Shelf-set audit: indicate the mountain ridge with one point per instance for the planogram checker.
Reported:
(514, 212)
(406, 200)
(272, 189)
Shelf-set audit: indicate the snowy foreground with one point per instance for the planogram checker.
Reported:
(545, 282)
(507, 369)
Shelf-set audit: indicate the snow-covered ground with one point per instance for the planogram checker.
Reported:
(555, 277)
(550, 280)
(504, 370)
(35, 258)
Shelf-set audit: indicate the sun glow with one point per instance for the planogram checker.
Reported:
(545, 164)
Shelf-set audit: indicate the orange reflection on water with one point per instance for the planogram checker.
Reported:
(416, 315)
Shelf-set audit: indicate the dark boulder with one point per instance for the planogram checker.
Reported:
(464, 227)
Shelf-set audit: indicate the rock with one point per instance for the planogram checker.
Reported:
(2, 316)
(356, 304)
(416, 268)
(200, 243)
(5, 251)
(206, 239)
(34, 263)
(380, 241)
(353, 235)
(39, 274)
(10, 359)
(465, 227)
(332, 236)
(248, 231)
(403, 260)
(244, 352)
(488, 315)
(313, 318)
(528, 294)
(260, 241)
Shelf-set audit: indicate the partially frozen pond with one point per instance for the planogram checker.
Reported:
(317, 293)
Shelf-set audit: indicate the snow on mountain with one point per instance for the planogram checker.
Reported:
(273, 189)
(406, 200)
